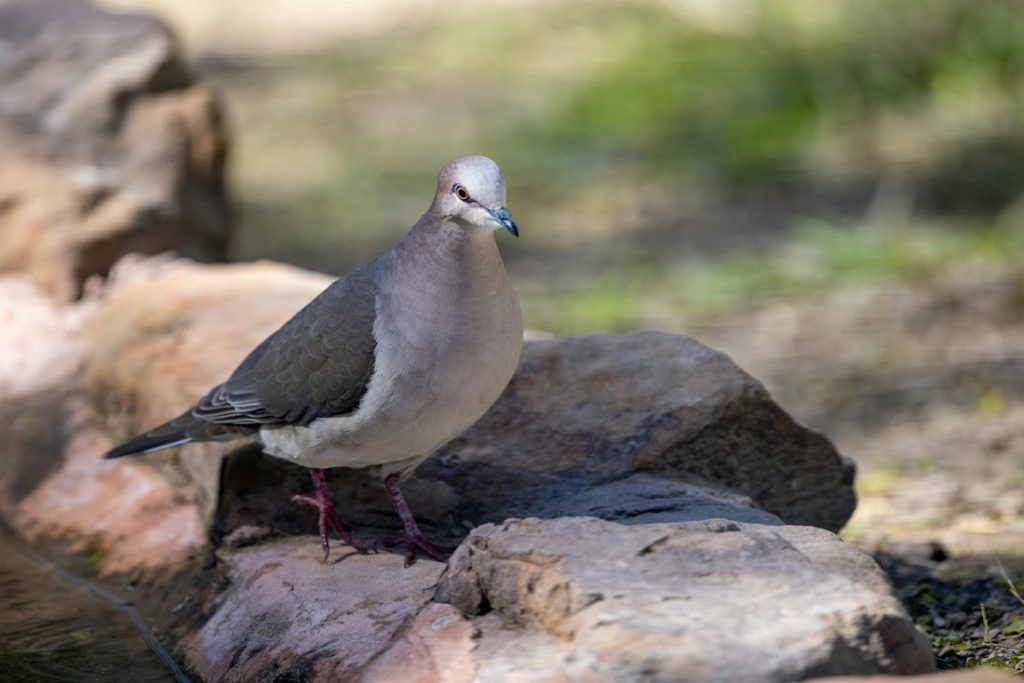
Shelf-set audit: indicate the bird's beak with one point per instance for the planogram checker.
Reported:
(504, 218)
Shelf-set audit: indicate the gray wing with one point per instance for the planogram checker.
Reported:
(317, 365)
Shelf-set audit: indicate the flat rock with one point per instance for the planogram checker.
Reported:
(108, 145)
(713, 600)
(286, 615)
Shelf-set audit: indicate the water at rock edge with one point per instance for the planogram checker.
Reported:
(52, 629)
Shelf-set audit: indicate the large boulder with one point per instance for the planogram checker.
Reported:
(659, 481)
(592, 412)
(107, 145)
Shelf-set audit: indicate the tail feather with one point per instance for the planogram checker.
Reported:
(167, 435)
(183, 429)
(146, 444)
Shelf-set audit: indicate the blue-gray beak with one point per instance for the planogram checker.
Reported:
(502, 215)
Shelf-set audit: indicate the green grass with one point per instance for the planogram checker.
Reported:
(613, 117)
(817, 258)
(594, 110)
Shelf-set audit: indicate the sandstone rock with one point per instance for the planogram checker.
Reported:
(705, 601)
(52, 484)
(107, 145)
(165, 333)
(145, 514)
(654, 433)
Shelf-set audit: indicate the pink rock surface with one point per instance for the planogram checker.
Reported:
(128, 518)
(436, 648)
(284, 613)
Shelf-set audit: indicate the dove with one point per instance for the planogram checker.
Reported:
(387, 364)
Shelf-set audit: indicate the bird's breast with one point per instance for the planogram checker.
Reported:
(448, 343)
(443, 355)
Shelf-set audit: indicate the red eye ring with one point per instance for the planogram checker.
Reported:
(460, 192)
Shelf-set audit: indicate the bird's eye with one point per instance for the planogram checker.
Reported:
(461, 192)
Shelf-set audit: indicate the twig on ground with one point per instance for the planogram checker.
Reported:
(987, 638)
(1009, 583)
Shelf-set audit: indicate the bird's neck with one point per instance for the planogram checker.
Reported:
(453, 247)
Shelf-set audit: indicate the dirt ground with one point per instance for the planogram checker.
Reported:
(921, 385)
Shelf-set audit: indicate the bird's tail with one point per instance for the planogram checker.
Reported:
(167, 435)
(183, 429)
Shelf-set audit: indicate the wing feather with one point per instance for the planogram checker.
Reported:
(318, 364)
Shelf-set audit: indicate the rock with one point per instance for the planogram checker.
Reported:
(587, 428)
(108, 145)
(980, 675)
(713, 600)
(712, 443)
(164, 333)
(652, 433)
(436, 648)
(52, 484)
(588, 412)
(28, 317)
(152, 514)
(285, 615)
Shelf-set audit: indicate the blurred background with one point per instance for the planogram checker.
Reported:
(669, 160)
(832, 193)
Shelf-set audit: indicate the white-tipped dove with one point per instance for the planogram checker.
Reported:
(387, 364)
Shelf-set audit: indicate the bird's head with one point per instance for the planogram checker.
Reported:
(471, 190)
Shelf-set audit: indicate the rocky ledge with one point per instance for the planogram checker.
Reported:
(635, 507)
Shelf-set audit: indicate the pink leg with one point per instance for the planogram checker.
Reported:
(412, 536)
(323, 502)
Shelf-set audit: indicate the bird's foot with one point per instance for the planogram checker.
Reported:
(328, 517)
(412, 537)
(323, 503)
(415, 541)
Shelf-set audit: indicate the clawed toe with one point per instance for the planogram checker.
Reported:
(412, 538)
(328, 518)
(417, 542)
(428, 550)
